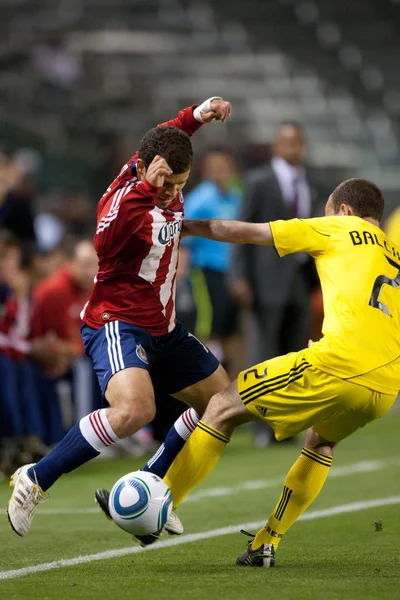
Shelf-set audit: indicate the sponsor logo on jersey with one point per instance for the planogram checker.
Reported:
(168, 231)
(261, 409)
(141, 353)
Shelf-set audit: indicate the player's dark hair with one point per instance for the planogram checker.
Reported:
(172, 144)
(364, 197)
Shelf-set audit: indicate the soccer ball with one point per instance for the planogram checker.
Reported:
(140, 503)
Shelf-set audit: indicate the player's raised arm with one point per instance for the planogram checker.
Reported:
(192, 118)
(234, 232)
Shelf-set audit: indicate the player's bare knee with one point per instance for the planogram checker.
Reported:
(318, 444)
(132, 413)
(134, 418)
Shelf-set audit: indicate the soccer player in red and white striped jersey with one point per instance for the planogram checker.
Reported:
(129, 325)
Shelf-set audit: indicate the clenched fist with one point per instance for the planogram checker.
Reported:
(220, 110)
(157, 170)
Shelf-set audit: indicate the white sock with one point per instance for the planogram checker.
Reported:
(186, 423)
(97, 430)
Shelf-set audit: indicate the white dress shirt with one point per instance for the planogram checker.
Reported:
(288, 177)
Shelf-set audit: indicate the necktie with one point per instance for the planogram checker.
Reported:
(296, 197)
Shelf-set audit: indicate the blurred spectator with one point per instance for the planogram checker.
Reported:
(17, 195)
(9, 258)
(278, 290)
(392, 226)
(23, 428)
(63, 213)
(55, 64)
(217, 197)
(59, 300)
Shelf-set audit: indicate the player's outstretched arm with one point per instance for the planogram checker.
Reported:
(192, 118)
(234, 232)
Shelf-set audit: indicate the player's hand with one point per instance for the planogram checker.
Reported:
(220, 110)
(157, 170)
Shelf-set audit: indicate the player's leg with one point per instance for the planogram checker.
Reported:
(204, 447)
(243, 401)
(191, 373)
(356, 407)
(125, 380)
(197, 396)
(302, 485)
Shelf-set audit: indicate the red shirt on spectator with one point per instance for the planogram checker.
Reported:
(58, 301)
(15, 327)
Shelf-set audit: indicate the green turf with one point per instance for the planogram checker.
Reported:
(330, 558)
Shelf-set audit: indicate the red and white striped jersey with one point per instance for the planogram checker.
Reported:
(137, 244)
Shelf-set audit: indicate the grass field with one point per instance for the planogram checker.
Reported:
(331, 556)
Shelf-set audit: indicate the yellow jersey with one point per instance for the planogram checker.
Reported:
(359, 270)
(392, 228)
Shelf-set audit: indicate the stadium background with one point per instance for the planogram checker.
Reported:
(80, 82)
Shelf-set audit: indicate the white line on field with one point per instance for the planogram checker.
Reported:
(193, 537)
(366, 466)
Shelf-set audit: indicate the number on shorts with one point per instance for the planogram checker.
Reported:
(379, 282)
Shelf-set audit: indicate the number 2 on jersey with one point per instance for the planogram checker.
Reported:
(379, 282)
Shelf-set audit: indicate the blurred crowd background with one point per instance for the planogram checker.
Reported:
(316, 99)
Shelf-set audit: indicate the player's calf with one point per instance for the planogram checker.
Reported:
(226, 411)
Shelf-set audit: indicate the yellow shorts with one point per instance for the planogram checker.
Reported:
(291, 395)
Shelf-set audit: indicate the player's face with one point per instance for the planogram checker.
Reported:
(172, 186)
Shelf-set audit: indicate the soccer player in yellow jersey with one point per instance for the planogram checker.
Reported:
(340, 383)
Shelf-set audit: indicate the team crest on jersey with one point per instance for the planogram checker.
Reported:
(168, 231)
(262, 410)
(105, 316)
(141, 353)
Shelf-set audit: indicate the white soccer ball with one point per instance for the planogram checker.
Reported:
(140, 503)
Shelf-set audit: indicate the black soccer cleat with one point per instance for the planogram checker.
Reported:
(146, 540)
(102, 496)
(264, 556)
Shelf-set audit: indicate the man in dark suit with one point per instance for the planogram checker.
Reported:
(278, 291)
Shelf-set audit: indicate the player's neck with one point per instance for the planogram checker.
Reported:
(372, 221)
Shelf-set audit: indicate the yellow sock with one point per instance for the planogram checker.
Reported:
(195, 461)
(302, 485)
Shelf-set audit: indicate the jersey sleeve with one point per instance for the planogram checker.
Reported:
(184, 121)
(301, 235)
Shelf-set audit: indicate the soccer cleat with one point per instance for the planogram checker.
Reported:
(101, 497)
(146, 540)
(26, 497)
(264, 556)
(173, 525)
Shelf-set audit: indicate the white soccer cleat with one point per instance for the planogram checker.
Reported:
(25, 498)
(174, 524)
